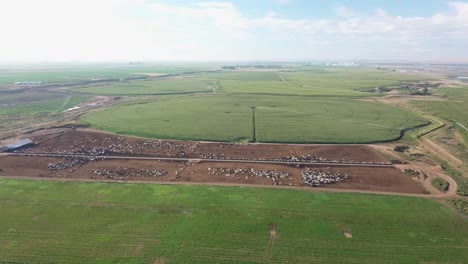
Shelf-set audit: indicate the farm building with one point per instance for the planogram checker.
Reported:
(17, 145)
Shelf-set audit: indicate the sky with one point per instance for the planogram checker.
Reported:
(236, 30)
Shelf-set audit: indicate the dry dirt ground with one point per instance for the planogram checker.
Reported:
(66, 141)
(76, 140)
(368, 179)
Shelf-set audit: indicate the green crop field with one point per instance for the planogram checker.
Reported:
(277, 119)
(285, 88)
(323, 82)
(302, 105)
(245, 76)
(20, 109)
(44, 106)
(327, 82)
(71, 222)
(62, 75)
(161, 86)
(80, 72)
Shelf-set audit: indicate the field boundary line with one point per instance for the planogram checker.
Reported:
(65, 103)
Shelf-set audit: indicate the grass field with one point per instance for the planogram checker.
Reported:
(54, 222)
(19, 96)
(283, 114)
(278, 119)
(155, 87)
(63, 75)
(66, 73)
(26, 109)
(453, 109)
(320, 82)
(327, 82)
(245, 76)
(45, 106)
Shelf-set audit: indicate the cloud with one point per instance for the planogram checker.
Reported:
(343, 11)
(156, 30)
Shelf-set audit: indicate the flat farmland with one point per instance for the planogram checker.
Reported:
(152, 87)
(353, 78)
(285, 88)
(71, 222)
(244, 76)
(61, 74)
(44, 106)
(320, 82)
(326, 82)
(277, 119)
(24, 109)
(70, 73)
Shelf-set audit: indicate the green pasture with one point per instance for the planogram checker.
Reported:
(327, 82)
(71, 222)
(152, 87)
(66, 73)
(324, 82)
(63, 75)
(20, 96)
(43, 106)
(278, 119)
(245, 75)
(285, 88)
(351, 78)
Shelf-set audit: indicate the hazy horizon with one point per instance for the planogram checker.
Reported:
(51, 31)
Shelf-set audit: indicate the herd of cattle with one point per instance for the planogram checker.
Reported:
(319, 178)
(118, 145)
(69, 163)
(310, 178)
(316, 159)
(274, 175)
(124, 146)
(125, 173)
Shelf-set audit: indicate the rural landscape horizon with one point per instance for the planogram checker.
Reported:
(267, 131)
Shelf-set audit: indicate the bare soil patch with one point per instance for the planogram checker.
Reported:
(366, 179)
(273, 234)
(347, 233)
(83, 140)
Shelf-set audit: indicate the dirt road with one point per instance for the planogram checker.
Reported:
(226, 184)
(433, 173)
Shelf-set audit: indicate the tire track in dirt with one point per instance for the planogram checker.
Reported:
(439, 151)
(462, 126)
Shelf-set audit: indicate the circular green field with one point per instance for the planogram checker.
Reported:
(277, 119)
